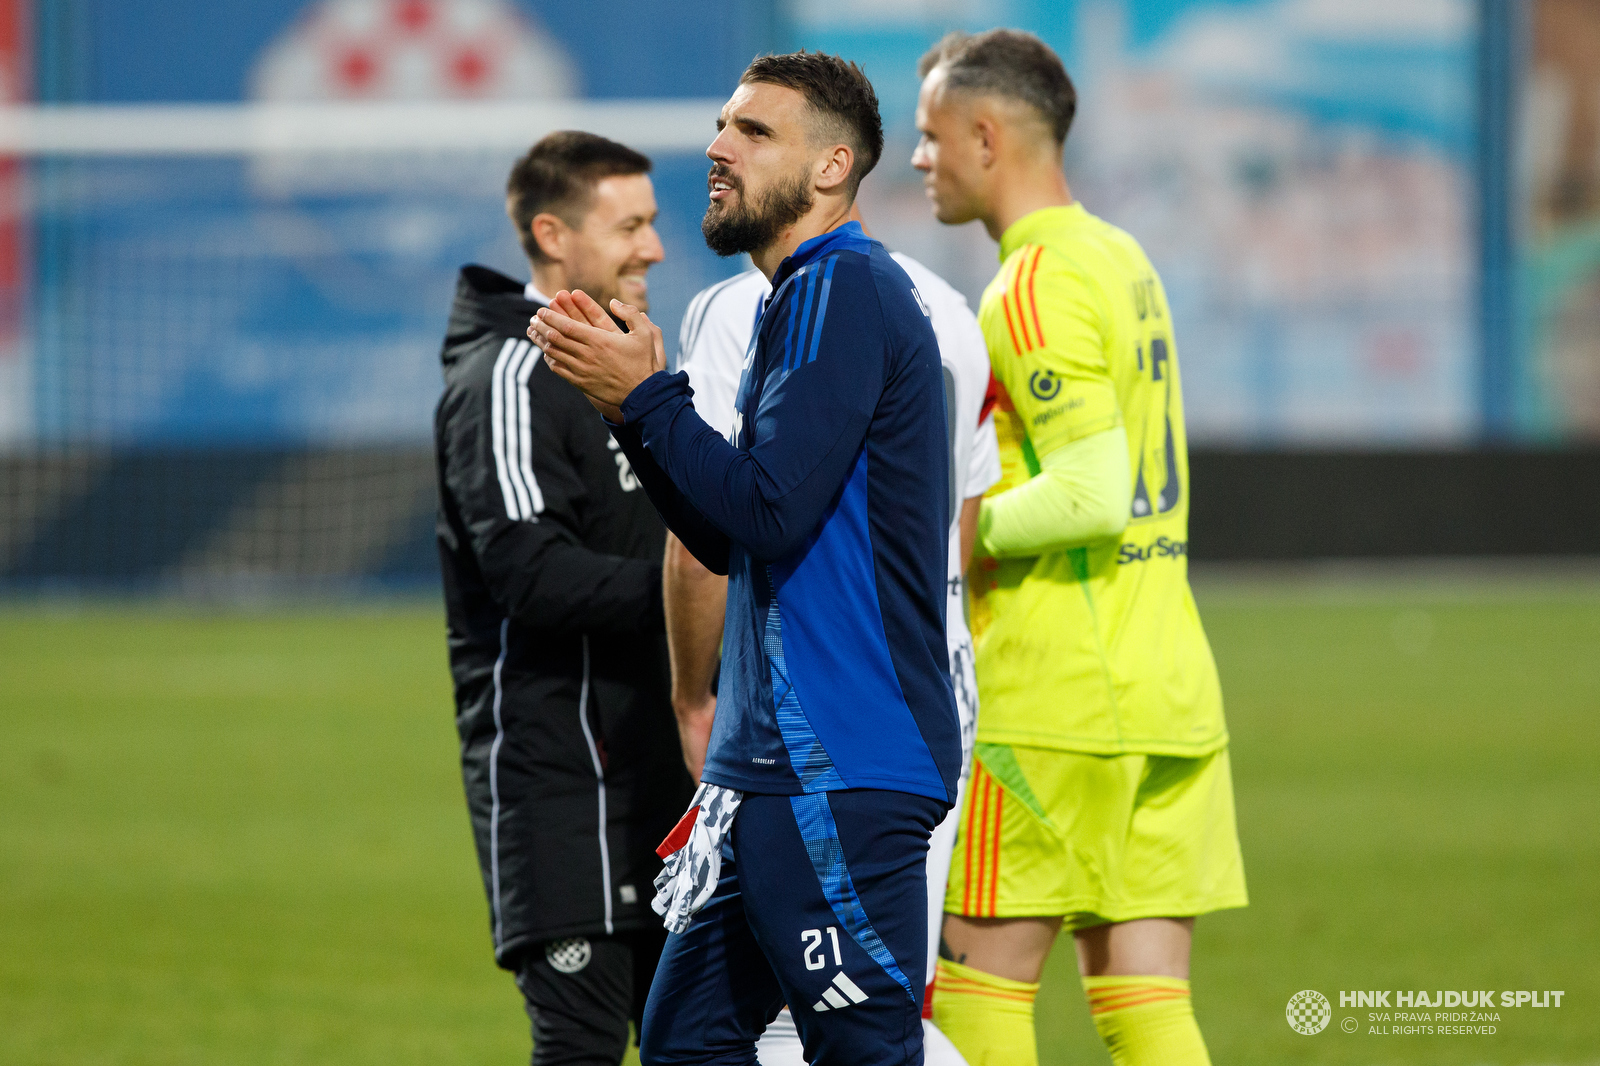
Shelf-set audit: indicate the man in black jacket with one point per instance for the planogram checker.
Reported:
(552, 581)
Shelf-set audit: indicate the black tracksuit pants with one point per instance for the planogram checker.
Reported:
(581, 993)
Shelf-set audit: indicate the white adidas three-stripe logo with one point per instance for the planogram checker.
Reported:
(842, 993)
(511, 429)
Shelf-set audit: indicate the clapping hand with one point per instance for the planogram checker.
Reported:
(584, 345)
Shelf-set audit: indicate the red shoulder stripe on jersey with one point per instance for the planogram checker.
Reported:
(1005, 305)
(1014, 290)
(1033, 304)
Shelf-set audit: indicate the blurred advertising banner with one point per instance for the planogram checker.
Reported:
(246, 229)
(1300, 171)
(1559, 387)
(249, 233)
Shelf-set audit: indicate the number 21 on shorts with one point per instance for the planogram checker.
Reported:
(812, 939)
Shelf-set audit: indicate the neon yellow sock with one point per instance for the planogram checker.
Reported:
(989, 1019)
(1146, 1021)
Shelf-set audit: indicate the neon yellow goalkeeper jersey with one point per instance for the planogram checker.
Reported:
(1096, 648)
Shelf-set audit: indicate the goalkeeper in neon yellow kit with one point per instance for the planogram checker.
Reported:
(1100, 792)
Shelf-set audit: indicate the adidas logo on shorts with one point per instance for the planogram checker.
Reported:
(835, 995)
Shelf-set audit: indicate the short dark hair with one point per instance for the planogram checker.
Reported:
(1007, 63)
(558, 175)
(838, 92)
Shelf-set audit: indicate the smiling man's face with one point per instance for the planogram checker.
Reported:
(762, 162)
(617, 244)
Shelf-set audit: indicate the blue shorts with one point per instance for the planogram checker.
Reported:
(822, 905)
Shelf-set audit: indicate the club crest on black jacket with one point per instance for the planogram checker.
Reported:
(551, 558)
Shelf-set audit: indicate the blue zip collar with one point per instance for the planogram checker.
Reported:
(848, 237)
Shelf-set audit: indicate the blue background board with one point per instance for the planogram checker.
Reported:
(186, 301)
(179, 304)
(1301, 173)
(217, 353)
(1269, 154)
(123, 51)
(1403, 86)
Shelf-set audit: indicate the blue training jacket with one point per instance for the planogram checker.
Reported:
(829, 513)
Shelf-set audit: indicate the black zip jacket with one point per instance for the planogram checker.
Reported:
(551, 556)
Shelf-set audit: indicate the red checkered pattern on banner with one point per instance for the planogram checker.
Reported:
(412, 49)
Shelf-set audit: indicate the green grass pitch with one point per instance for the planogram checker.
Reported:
(239, 838)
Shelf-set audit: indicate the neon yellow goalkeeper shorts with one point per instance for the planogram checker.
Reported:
(1096, 838)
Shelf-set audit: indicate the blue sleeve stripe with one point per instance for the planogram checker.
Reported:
(788, 337)
(797, 346)
(822, 307)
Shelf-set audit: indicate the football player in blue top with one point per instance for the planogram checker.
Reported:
(835, 747)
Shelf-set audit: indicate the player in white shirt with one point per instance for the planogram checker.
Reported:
(713, 341)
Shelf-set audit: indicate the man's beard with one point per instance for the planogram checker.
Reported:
(730, 231)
